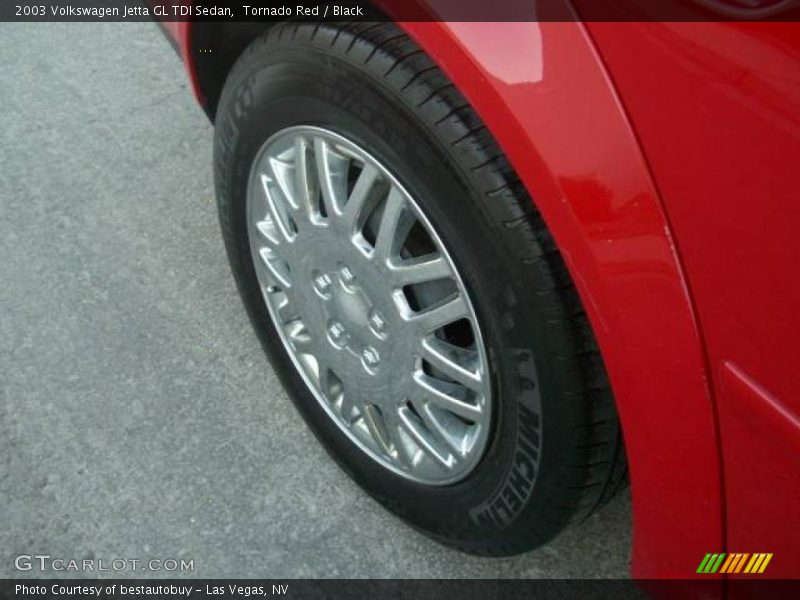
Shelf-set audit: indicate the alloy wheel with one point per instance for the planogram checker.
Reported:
(369, 304)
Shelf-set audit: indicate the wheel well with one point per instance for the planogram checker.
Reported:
(215, 48)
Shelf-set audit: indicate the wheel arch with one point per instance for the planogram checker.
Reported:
(542, 90)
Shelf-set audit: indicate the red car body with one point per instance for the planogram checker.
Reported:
(662, 158)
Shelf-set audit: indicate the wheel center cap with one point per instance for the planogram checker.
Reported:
(352, 306)
(354, 324)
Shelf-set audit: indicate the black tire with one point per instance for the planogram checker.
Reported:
(556, 452)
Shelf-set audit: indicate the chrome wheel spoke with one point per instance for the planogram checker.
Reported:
(357, 202)
(369, 305)
(267, 229)
(419, 270)
(332, 172)
(302, 181)
(375, 424)
(270, 266)
(278, 211)
(441, 314)
(427, 443)
(300, 337)
(444, 427)
(448, 396)
(286, 309)
(348, 408)
(391, 225)
(460, 364)
(282, 173)
(342, 400)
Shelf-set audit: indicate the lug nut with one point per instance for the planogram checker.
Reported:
(336, 332)
(347, 275)
(322, 283)
(371, 357)
(377, 322)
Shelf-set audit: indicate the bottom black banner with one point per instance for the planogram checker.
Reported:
(394, 589)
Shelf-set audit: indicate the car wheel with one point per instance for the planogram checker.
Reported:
(407, 291)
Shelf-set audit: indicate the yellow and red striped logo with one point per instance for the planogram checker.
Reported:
(737, 562)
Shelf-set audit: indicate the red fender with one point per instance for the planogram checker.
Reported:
(543, 92)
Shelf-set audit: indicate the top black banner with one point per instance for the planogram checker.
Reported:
(399, 10)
